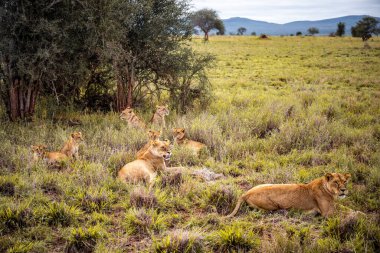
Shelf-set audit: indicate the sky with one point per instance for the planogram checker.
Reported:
(283, 11)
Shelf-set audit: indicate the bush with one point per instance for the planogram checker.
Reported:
(140, 197)
(60, 214)
(7, 189)
(179, 241)
(12, 218)
(222, 198)
(142, 223)
(84, 240)
(235, 239)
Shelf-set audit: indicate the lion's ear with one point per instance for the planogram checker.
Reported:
(155, 143)
(182, 130)
(167, 142)
(347, 175)
(73, 135)
(33, 146)
(329, 176)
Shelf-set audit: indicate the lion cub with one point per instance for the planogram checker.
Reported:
(71, 146)
(152, 136)
(318, 195)
(180, 139)
(148, 164)
(158, 117)
(132, 119)
(40, 152)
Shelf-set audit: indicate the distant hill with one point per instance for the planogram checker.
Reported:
(325, 26)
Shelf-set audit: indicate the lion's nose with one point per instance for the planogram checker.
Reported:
(343, 189)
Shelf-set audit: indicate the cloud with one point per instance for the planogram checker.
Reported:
(290, 10)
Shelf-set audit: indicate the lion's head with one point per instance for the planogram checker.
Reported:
(162, 110)
(179, 133)
(38, 150)
(336, 183)
(154, 135)
(160, 149)
(127, 113)
(77, 136)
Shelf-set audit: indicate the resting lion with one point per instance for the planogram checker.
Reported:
(152, 136)
(40, 152)
(132, 119)
(158, 117)
(71, 146)
(180, 139)
(148, 164)
(318, 195)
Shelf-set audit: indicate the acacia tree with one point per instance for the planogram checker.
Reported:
(241, 30)
(313, 30)
(364, 28)
(207, 20)
(341, 29)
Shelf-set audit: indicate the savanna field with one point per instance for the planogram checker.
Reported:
(284, 110)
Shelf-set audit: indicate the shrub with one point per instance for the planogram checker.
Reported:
(12, 218)
(95, 200)
(140, 197)
(60, 214)
(235, 239)
(179, 241)
(7, 189)
(172, 179)
(142, 223)
(222, 198)
(84, 240)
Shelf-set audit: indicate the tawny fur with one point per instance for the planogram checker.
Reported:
(181, 140)
(318, 195)
(147, 165)
(152, 136)
(71, 146)
(39, 152)
(132, 119)
(158, 118)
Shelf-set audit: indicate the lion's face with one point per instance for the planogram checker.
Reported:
(336, 183)
(162, 110)
(77, 136)
(154, 135)
(127, 113)
(38, 150)
(161, 149)
(179, 133)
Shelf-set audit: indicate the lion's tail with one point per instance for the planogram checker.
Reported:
(240, 201)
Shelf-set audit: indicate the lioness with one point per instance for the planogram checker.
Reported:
(158, 117)
(152, 136)
(132, 119)
(180, 139)
(318, 195)
(40, 152)
(148, 164)
(71, 146)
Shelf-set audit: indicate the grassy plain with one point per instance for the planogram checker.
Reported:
(285, 110)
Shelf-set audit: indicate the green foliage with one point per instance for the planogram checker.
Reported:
(365, 27)
(313, 30)
(235, 239)
(84, 240)
(179, 241)
(15, 217)
(55, 214)
(341, 29)
(143, 222)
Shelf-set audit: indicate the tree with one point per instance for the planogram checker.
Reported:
(253, 33)
(313, 30)
(207, 20)
(241, 30)
(43, 45)
(341, 29)
(365, 27)
(299, 33)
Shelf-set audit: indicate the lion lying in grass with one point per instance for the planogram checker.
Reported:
(148, 164)
(152, 136)
(318, 195)
(40, 152)
(181, 140)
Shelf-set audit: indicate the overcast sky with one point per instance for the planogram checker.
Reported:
(283, 11)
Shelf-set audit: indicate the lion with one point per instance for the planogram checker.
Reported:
(158, 117)
(152, 136)
(132, 119)
(148, 164)
(181, 140)
(318, 195)
(71, 146)
(40, 152)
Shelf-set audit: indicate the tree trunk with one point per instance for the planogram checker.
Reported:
(21, 100)
(121, 99)
(131, 81)
(206, 36)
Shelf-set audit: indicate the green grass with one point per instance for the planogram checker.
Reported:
(284, 110)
